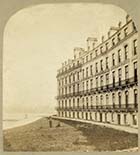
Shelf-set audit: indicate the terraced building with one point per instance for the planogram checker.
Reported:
(101, 83)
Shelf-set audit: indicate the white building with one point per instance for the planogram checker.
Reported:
(101, 83)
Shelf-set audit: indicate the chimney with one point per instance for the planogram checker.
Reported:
(128, 18)
(91, 43)
(78, 51)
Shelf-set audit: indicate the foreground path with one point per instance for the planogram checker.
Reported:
(70, 136)
(117, 127)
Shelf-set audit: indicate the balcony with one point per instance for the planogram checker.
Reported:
(102, 108)
(110, 87)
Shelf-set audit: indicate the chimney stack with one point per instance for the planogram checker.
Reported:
(91, 43)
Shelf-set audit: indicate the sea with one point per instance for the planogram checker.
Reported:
(15, 120)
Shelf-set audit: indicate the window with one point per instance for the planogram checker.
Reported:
(113, 99)
(62, 104)
(113, 59)
(83, 73)
(65, 103)
(91, 70)
(125, 31)
(87, 58)
(113, 78)
(73, 102)
(107, 99)
(126, 51)
(135, 98)
(106, 46)
(96, 82)
(77, 75)
(69, 89)
(134, 120)
(107, 63)
(101, 49)
(91, 83)
(73, 77)
(73, 88)
(83, 86)
(119, 99)
(119, 36)
(107, 79)
(87, 72)
(90, 56)
(119, 56)
(65, 80)
(126, 99)
(119, 75)
(96, 66)
(87, 85)
(77, 102)
(135, 72)
(101, 65)
(65, 90)
(87, 101)
(96, 52)
(135, 46)
(101, 81)
(70, 79)
(126, 73)
(96, 100)
(78, 87)
(101, 100)
(91, 100)
(113, 41)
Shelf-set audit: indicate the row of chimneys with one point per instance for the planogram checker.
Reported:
(91, 42)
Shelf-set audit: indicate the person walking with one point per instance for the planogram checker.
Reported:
(50, 122)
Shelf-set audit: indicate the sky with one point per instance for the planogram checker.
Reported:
(37, 40)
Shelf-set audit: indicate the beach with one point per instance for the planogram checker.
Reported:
(69, 136)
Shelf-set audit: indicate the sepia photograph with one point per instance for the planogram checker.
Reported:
(70, 79)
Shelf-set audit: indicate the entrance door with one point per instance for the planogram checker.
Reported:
(100, 117)
(119, 119)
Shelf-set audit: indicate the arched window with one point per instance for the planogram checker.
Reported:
(87, 101)
(107, 99)
(126, 99)
(135, 98)
(113, 100)
(101, 100)
(119, 98)
(77, 102)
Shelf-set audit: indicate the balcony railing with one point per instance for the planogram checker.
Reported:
(110, 87)
(122, 107)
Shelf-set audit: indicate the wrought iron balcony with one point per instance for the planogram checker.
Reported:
(106, 108)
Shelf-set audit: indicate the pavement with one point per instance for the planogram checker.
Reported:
(114, 126)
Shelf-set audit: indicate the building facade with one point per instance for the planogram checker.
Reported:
(101, 83)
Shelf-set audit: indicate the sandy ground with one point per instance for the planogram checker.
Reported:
(70, 136)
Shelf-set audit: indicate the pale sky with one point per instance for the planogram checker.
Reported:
(37, 40)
